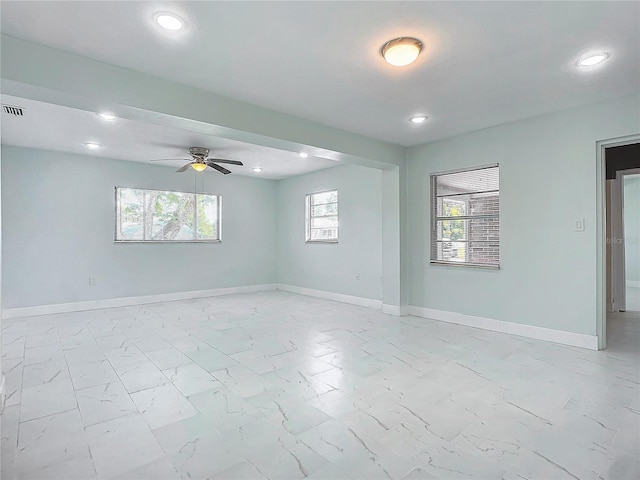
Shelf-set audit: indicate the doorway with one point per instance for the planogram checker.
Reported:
(631, 231)
(618, 249)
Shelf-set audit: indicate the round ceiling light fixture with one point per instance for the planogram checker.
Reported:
(418, 119)
(303, 154)
(593, 59)
(107, 116)
(169, 21)
(92, 145)
(401, 51)
(199, 167)
(257, 169)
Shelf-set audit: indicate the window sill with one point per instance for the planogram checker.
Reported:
(460, 264)
(321, 241)
(167, 241)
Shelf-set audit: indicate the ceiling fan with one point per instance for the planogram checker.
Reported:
(201, 161)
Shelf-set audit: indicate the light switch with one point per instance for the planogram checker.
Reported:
(579, 225)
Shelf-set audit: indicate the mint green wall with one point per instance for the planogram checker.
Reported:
(632, 227)
(333, 267)
(55, 236)
(391, 238)
(58, 227)
(547, 181)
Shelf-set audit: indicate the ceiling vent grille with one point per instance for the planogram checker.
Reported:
(13, 110)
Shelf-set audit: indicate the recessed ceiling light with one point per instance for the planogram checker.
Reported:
(593, 59)
(401, 51)
(257, 169)
(303, 154)
(107, 116)
(92, 145)
(418, 119)
(169, 21)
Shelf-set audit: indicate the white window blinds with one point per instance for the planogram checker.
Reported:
(465, 217)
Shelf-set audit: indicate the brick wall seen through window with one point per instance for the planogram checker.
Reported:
(465, 217)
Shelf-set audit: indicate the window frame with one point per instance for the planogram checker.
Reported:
(433, 221)
(309, 216)
(117, 188)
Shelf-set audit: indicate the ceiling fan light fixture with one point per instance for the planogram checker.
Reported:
(199, 167)
(401, 51)
(169, 21)
(417, 119)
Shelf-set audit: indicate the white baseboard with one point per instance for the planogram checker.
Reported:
(337, 297)
(396, 310)
(129, 301)
(633, 283)
(530, 331)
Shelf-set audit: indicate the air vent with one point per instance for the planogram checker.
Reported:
(13, 110)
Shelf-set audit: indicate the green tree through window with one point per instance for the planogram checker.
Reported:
(453, 229)
(155, 215)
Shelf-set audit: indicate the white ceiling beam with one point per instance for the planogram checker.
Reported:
(50, 75)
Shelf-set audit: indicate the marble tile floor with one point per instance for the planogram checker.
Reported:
(283, 386)
(633, 299)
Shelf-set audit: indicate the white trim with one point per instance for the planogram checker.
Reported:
(396, 310)
(530, 331)
(465, 169)
(633, 283)
(336, 297)
(617, 247)
(129, 301)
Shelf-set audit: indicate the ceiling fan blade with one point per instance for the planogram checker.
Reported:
(222, 160)
(169, 160)
(219, 168)
(183, 168)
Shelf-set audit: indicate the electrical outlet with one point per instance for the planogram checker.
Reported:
(92, 280)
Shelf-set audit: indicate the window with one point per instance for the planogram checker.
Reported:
(465, 211)
(159, 216)
(322, 217)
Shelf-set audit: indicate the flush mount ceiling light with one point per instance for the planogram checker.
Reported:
(169, 21)
(257, 169)
(198, 167)
(92, 145)
(107, 115)
(418, 119)
(401, 51)
(303, 154)
(593, 59)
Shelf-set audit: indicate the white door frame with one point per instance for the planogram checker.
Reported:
(601, 268)
(622, 282)
(618, 296)
(618, 247)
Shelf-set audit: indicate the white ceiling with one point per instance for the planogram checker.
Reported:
(484, 63)
(67, 129)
